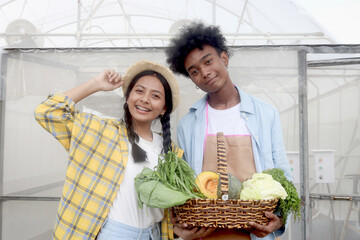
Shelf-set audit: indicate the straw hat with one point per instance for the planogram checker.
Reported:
(144, 65)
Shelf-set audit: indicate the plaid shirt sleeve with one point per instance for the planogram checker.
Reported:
(98, 155)
(56, 115)
(167, 231)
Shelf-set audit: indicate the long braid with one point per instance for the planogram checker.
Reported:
(165, 123)
(133, 137)
(139, 155)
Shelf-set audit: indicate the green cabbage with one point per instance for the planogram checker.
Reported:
(156, 195)
(262, 186)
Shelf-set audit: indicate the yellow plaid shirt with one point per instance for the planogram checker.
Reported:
(98, 155)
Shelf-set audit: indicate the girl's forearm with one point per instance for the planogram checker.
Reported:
(83, 90)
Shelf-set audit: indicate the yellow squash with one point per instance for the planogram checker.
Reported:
(208, 183)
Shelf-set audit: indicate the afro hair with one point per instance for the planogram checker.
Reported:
(190, 37)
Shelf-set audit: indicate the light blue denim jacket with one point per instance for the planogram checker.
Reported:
(263, 122)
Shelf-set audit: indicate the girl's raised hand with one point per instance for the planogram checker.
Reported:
(108, 80)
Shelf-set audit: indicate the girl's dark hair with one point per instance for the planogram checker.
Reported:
(195, 35)
(137, 152)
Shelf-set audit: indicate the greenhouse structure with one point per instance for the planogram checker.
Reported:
(278, 53)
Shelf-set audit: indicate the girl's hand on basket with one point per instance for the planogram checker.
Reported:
(185, 232)
(175, 220)
(262, 231)
(193, 233)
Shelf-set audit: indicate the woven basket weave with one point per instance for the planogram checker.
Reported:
(224, 213)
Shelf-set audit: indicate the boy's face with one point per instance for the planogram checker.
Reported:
(207, 69)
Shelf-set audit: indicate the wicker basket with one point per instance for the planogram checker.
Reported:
(224, 213)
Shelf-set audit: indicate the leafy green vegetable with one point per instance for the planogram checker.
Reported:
(291, 204)
(176, 174)
(262, 186)
(156, 194)
(146, 175)
(171, 183)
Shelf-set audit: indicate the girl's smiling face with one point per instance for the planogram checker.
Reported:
(146, 100)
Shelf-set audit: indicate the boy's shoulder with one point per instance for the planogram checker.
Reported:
(256, 103)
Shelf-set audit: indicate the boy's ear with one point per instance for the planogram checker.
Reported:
(225, 58)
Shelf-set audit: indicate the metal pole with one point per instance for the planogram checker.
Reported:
(78, 30)
(303, 146)
(3, 72)
(28, 198)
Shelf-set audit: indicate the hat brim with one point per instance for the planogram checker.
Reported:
(145, 65)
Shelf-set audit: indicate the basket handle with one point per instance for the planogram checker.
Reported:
(222, 165)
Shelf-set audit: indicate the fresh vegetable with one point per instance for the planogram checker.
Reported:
(176, 174)
(291, 204)
(171, 183)
(207, 182)
(262, 186)
(156, 194)
(235, 187)
(145, 176)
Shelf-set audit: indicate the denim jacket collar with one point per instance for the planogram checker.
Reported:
(246, 104)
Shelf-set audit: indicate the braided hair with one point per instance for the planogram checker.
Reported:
(139, 155)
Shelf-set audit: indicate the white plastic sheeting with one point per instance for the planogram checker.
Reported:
(34, 163)
(141, 23)
(31, 75)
